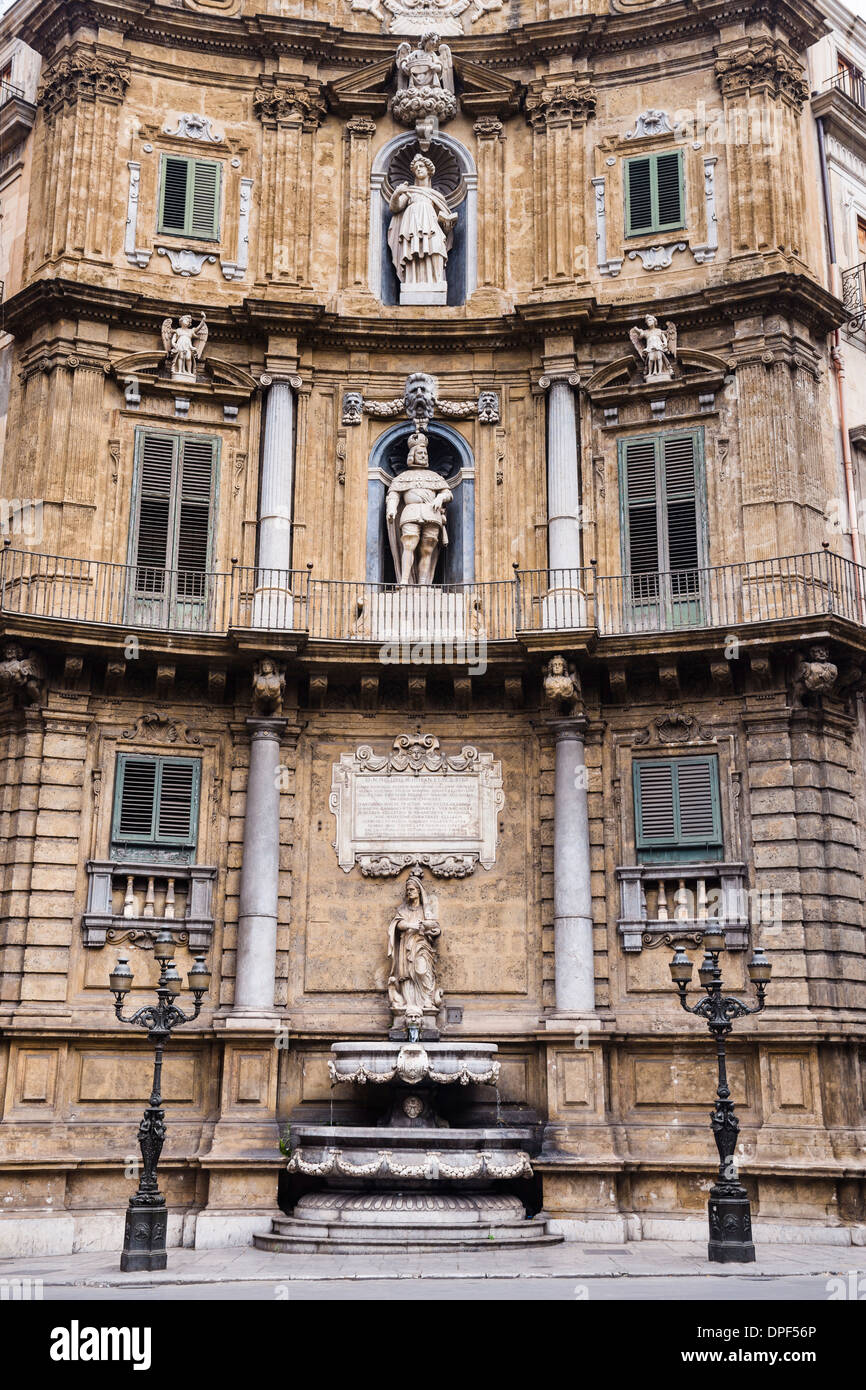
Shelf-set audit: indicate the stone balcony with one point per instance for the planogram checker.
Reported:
(93, 603)
(134, 900)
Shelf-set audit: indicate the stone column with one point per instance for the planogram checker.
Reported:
(257, 909)
(572, 892)
(565, 604)
(273, 602)
(358, 137)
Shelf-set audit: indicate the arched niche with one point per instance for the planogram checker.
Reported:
(457, 180)
(451, 456)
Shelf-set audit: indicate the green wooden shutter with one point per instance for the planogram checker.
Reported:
(654, 193)
(669, 190)
(638, 196)
(204, 209)
(155, 805)
(677, 810)
(157, 455)
(681, 504)
(135, 799)
(190, 197)
(194, 521)
(175, 190)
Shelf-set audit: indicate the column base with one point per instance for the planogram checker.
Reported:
(730, 1219)
(144, 1239)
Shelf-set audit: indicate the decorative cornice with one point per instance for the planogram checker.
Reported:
(762, 65)
(552, 103)
(82, 74)
(290, 103)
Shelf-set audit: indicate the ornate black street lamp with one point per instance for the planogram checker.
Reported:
(729, 1213)
(147, 1216)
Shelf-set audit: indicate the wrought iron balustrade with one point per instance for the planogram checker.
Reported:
(852, 82)
(9, 92)
(454, 620)
(854, 297)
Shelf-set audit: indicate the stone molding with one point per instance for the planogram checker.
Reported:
(83, 75)
(293, 104)
(550, 103)
(763, 65)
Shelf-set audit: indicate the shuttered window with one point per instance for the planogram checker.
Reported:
(155, 805)
(654, 193)
(173, 515)
(663, 513)
(189, 203)
(676, 807)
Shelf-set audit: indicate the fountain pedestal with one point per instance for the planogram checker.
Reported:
(412, 1178)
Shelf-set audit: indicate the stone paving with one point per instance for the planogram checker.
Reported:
(640, 1259)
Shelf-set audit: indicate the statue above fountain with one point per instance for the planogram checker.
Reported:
(413, 993)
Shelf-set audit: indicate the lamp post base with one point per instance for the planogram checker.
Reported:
(730, 1225)
(144, 1239)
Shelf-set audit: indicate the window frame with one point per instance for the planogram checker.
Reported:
(122, 844)
(658, 437)
(190, 161)
(179, 438)
(681, 849)
(655, 225)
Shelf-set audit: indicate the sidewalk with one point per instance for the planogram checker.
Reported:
(643, 1259)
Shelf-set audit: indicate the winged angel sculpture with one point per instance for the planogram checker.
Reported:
(655, 348)
(184, 345)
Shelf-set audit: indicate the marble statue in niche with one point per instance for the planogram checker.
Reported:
(419, 236)
(412, 935)
(655, 348)
(184, 346)
(415, 515)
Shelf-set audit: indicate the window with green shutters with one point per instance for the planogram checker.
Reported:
(175, 492)
(676, 809)
(189, 198)
(155, 808)
(654, 193)
(663, 513)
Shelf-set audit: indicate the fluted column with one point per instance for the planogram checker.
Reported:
(273, 603)
(572, 891)
(563, 480)
(358, 137)
(257, 909)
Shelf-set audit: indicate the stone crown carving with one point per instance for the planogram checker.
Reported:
(419, 402)
(559, 103)
(83, 76)
(763, 64)
(293, 104)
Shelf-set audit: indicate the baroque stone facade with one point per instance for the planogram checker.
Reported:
(636, 617)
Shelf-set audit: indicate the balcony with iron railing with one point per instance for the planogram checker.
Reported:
(854, 299)
(17, 116)
(851, 83)
(103, 601)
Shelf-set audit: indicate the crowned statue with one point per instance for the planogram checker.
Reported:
(415, 515)
(420, 235)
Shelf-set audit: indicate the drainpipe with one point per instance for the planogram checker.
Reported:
(838, 363)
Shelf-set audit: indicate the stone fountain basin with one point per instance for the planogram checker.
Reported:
(348, 1154)
(444, 1063)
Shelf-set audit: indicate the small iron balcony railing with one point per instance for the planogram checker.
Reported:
(852, 82)
(854, 297)
(98, 593)
(8, 91)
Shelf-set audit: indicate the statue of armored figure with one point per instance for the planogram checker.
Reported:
(419, 236)
(415, 515)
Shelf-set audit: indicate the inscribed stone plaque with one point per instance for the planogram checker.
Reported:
(416, 805)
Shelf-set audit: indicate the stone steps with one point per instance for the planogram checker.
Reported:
(340, 1238)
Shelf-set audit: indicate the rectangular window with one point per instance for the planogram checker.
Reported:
(155, 807)
(676, 808)
(189, 200)
(174, 505)
(654, 193)
(663, 510)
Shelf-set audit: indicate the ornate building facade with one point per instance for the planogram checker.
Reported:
(427, 404)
